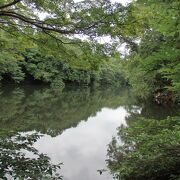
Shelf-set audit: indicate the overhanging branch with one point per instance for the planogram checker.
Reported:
(36, 23)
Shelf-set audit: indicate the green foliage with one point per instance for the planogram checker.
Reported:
(57, 56)
(16, 163)
(48, 51)
(55, 71)
(82, 62)
(154, 67)
(53, 39)
(111, 72)
(150, 149)
(63, 19)
(58, 30)
(9, 68)
(10, 56)
(40, 67)
(36, 66)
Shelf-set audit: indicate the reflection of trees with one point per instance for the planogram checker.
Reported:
(149, 147)
(19, 159)
(152, 110)
(43, 110)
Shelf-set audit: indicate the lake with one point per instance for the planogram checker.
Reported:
(40, 127)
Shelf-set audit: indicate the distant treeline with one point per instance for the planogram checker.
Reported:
(41, 68)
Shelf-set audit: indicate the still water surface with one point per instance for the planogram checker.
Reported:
(83, 149)
(76, 127)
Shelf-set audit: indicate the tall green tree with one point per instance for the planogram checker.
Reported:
(154, 66)
(57, 34)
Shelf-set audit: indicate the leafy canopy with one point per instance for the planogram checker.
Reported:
(154, 66)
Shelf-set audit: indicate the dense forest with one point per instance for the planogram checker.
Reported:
(63, 42)
(51, 50)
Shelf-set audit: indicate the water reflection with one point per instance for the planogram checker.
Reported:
(77, 125)
(83, 149)
(40, 109)
(149, 146)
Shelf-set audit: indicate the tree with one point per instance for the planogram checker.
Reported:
(154, 67)
(150, 149)
(65, 18)
(21, 28)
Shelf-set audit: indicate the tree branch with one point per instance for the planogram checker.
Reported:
(36, 23)
(57, 39)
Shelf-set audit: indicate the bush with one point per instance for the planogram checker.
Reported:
(150, 150)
